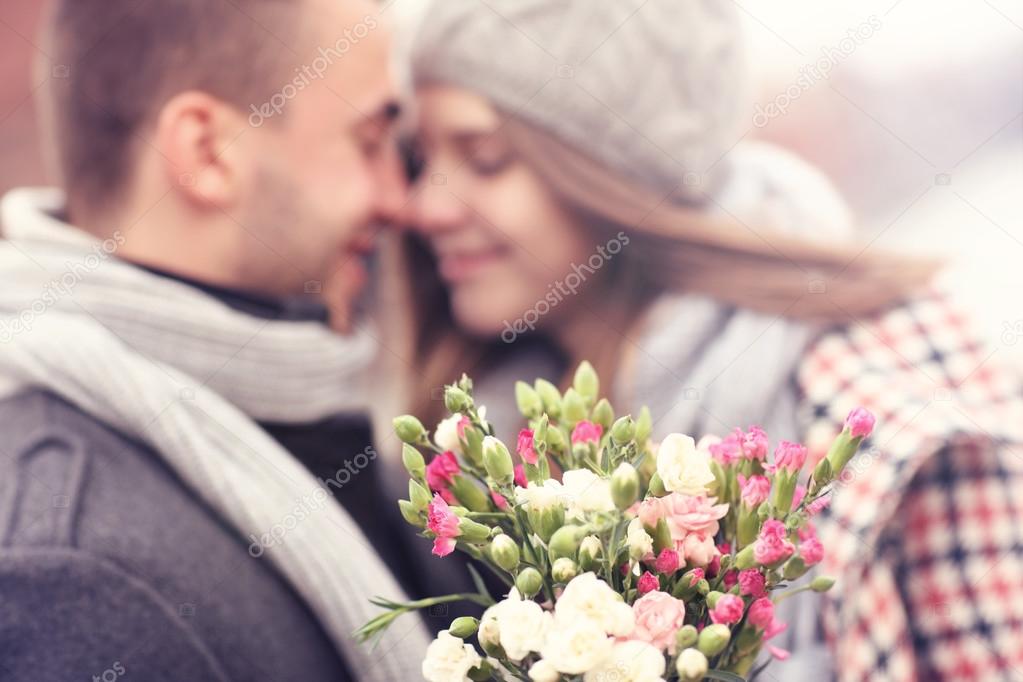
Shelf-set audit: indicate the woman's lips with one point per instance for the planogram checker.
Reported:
(459, 266)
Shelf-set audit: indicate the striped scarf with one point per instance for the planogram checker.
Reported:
(188, 376)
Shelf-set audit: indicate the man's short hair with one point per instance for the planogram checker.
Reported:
(115, 63)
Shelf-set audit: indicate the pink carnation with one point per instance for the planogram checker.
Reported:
(697, 576)
(811, 550)
(587, 432)
(751, 582)
(753, 443)
(499, 500)
(761, 616)
(730, 579)
(772, 545)
(729, 450)
(647, 583)
(444, 524)
(761, 613)
(667, 561)
(860, 423)
(692, 523)
(520, 476)
(728, 610)
(441, 471)
(658, 618)
(790, 456)
(525, 446)
(755, 490)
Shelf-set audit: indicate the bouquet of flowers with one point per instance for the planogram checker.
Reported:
(623, 560)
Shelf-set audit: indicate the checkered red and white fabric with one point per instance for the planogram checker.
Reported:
(925, 532)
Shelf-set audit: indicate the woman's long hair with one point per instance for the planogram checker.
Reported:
(672, 247)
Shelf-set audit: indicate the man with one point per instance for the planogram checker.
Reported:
(166, 408)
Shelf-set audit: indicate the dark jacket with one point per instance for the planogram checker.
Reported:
(110, 566)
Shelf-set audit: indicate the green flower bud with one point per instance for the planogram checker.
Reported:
(604, 414)
(691, 665)
(556, 439)
(565, 542)
(573, 407)
(456, 400)
(469, 495)
(470, 531)
(822, 475)
(590, 553)
(483, 672)
(409, 429)
(822, 583)
(497, 461)
(528, 400)
(546, 522)
(686, 637)
(505, 552)
(563, 570)
(795, 568)
(662, 536)
(413, 460)
(657, 488)
(419, 496)
(624, 486)
(586, 382)
(474, 445)
(623, 430)
(529, 582)
(703, 587)
(550, 396)
(463, 627)
(712, 598)
(644, 425)
(410, 513)
(713, 639)
(744, 559)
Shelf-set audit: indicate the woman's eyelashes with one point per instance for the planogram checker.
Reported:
(489, 164)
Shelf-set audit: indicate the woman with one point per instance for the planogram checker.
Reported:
(587, 194)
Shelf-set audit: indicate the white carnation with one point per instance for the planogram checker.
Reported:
(540, 497)
(576, 647)
(587, 598)
(544, 671)
(682, 467)
(449, 659)
(630, 661)
(585, 492)
(446, 433)
(522, 625)
(640, 543)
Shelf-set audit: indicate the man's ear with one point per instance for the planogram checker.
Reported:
(194, 133)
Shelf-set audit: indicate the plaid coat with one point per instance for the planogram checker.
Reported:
(925, 532)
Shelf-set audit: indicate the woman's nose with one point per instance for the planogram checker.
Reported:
(435, 208)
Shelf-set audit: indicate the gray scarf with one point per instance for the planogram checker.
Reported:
(188, 376)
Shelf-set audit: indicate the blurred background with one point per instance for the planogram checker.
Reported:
(914, 108)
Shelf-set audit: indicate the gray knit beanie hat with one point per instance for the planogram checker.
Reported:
(650, 88)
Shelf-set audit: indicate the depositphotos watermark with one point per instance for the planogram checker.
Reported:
(61, 287)
(562, 289)
(814, 72)
(312, 503)
(311, 72)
